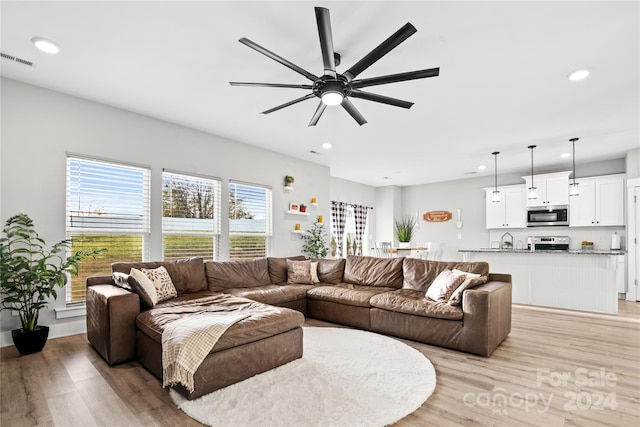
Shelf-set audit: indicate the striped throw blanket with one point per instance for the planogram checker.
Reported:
(186, 342)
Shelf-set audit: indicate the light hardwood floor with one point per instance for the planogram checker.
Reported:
(557, 368)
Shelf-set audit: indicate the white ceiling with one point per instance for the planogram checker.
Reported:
(502, 83)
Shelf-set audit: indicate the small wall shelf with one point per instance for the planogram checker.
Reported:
(297, 231)
(297, 213)
(289, 188)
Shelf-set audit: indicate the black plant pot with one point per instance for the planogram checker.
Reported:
(28, 342)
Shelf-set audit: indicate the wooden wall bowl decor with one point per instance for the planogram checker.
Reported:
(437, 216)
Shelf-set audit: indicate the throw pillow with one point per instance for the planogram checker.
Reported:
(162, 282)
(314, 272)
(471, 281)
(299, 272)
(444, 285)
(121, 280)
(144, 287)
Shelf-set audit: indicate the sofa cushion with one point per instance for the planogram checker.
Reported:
(187, 275)
(237, 274)
(299, 272)
(414, 302)
(346, 293)
(272, 294)
(418, 274)
(371, 271)
(264, 320)
(471, 281)
(330, 270)
(445, 284)
(278, 268)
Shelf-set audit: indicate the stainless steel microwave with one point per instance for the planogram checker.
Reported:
(547, 216)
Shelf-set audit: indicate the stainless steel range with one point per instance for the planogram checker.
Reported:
(548, 243)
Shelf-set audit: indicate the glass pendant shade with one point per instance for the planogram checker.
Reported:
(573, 187)
(533, 190)
(495, 198)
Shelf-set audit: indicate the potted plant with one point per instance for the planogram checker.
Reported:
(303, 208)
(404, 230)
(29, 275)
(288, 180)
(314, 241)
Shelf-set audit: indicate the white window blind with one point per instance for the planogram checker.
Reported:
(190, 216)
(107, 207)
(250, 227)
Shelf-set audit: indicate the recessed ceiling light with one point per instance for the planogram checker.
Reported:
(578, 74)
(481, 167)
(45, 45)
(565, 155)
(327, 145)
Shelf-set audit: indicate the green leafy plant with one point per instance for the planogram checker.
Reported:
(289, 180)
(314, 241)
(29, 273)
(404, 228)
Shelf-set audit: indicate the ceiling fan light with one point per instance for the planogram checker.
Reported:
(331, 98)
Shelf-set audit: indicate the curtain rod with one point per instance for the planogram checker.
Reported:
(351, 204)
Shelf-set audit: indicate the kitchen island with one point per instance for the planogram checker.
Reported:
(578, 280)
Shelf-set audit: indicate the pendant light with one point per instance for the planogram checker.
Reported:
(496, 194)
(533, 194)
(573, 187)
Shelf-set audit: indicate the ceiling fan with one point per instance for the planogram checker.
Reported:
(334, 88)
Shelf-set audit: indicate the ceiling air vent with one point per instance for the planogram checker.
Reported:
(17, 59)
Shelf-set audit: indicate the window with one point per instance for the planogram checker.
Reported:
(190, 216)
(249, 221)
(107, 207)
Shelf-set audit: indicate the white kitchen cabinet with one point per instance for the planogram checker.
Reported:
(510, 212)
(600, 203)
(552, 189)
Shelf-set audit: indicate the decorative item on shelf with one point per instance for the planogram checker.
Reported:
(507, 241)
(495, 197)
(533, 191)
(297, 227)
(288, 180)
(29, 275)
(320, 219)
(573, 187)
(314, 201)
(587, 246)
(495, 244)
(294, 207)
(437, 216)
(303, 208)
(404, 230)
(315, 242)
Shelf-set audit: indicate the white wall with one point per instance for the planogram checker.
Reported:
(633, 164)
(39, 128)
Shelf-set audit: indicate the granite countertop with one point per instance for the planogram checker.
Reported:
(526, 251)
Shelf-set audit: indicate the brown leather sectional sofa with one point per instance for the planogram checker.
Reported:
(385, 295)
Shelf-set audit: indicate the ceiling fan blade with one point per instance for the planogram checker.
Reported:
(385, 47)
(380, 98)
(393, 78)
(316, 116)
(278, 58)
(326, 40)
(286, 104)
(271, 85)
(353, 111)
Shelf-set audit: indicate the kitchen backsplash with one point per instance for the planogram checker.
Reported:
(600, 236)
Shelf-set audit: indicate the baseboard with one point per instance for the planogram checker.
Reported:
(55, 331)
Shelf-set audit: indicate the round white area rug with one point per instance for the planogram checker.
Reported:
(345, 378)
